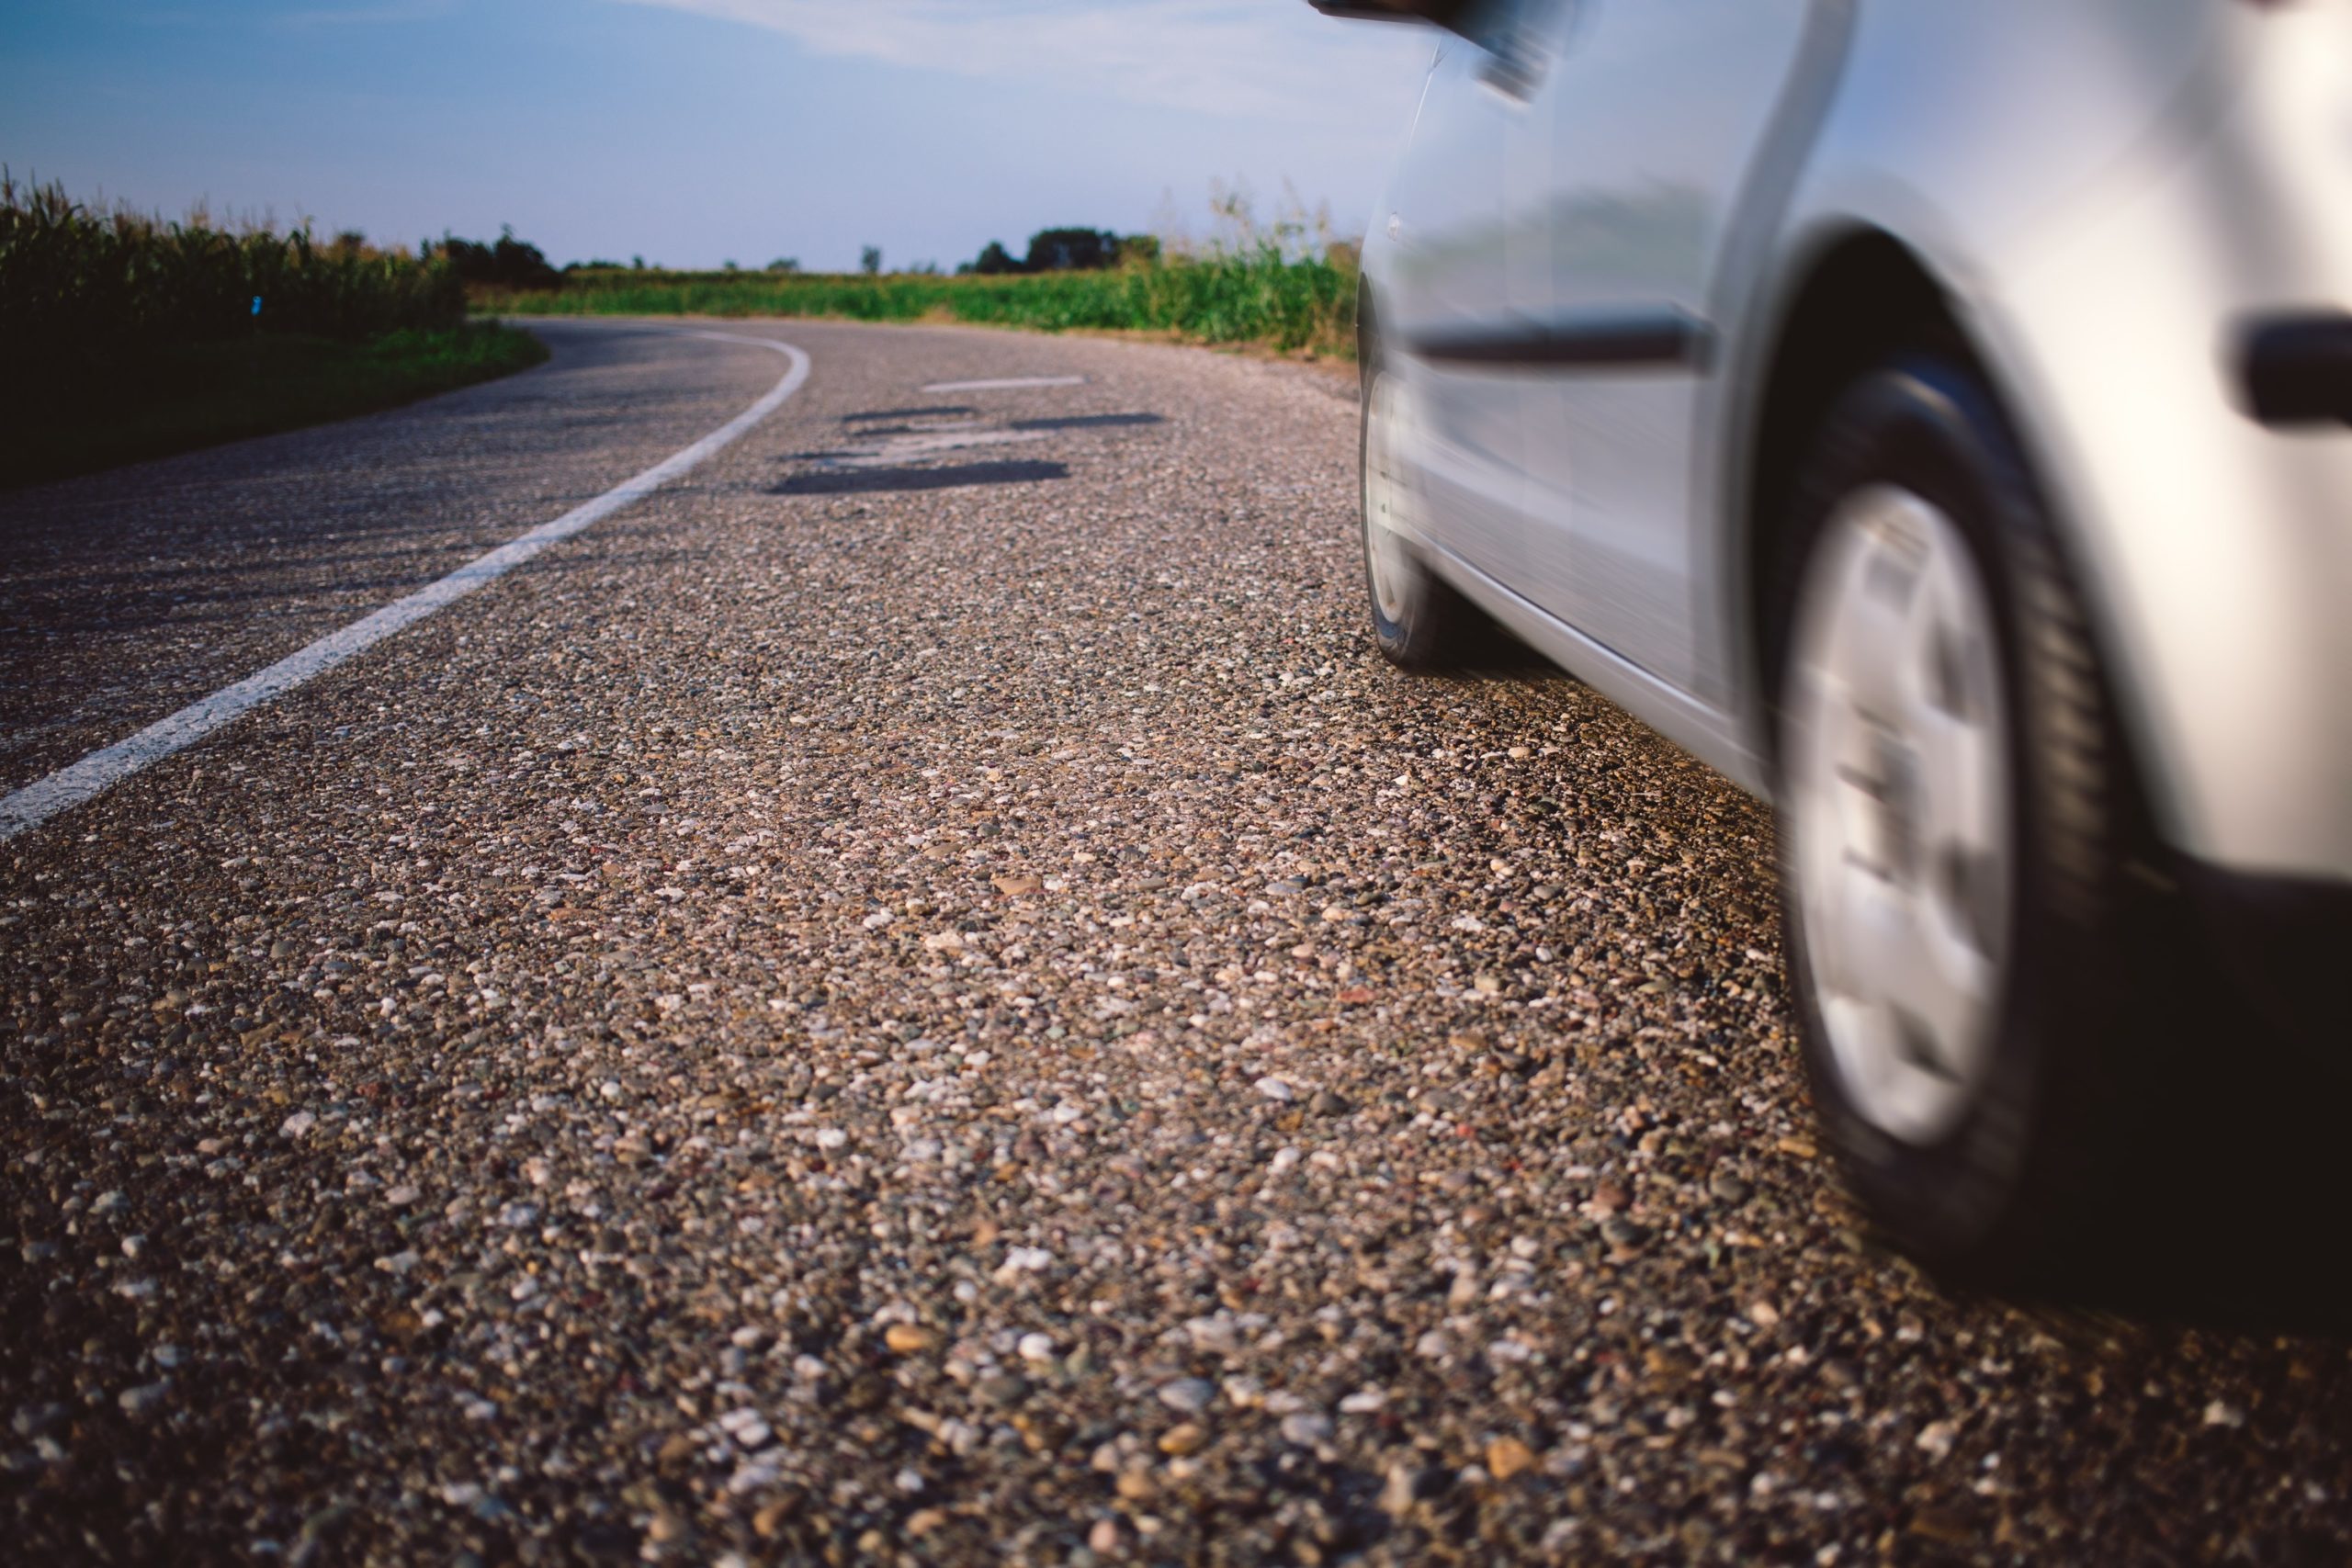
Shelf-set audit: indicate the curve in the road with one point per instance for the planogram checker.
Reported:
(69, 787)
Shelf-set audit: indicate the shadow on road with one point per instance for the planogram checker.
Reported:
(940, 411)
(2239, 1232)
(868, 481)
(2226, 1213)
(1088, 422)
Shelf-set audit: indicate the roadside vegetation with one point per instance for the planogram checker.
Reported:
(131, 336)
(1282, 286)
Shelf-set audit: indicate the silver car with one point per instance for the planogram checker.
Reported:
(1938, 418)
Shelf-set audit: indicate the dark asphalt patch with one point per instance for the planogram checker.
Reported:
(868, 481)
(941, 411)
(1088, 422)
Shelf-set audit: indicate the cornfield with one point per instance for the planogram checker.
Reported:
(80, 288)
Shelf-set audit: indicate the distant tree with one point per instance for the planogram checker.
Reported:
(1069, 250)
(507, 262)
(785, 263)
(521, 265)
(469, 259)
(995, 258)
(869, 260)
(1135, 250)
(637, 263)
(729, 266)
(923, 268)
(348, 242)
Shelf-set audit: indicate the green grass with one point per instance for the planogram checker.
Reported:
(175, 397)
(1259, 298)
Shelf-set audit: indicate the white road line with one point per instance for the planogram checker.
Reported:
(892, 451)
(1001, 382)
(72, 784)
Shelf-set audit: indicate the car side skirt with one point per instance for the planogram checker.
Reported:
(1708, 733)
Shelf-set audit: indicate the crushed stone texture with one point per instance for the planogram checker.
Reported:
(844, 1017)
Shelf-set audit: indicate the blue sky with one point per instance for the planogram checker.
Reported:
(696, 131)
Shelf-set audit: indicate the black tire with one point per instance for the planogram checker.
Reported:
(1435, 629)
(2035, 1156)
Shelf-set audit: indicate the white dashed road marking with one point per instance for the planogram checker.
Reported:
(895, 450)
(71, 786)
(1000, 382)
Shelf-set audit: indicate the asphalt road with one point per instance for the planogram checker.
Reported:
(922, 994)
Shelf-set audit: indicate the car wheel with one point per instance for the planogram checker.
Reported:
(1947, 807)
(1420, 621)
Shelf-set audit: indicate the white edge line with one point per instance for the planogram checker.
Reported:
(1001, 382)
(78, 782)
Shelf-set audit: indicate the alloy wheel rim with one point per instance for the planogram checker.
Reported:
(1387, 499)
(1899, 805)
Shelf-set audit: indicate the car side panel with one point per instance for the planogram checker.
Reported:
(2106, 191)
(1437, 257)
(1658, 114)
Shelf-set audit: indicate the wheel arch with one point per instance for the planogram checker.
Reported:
(1859, 295)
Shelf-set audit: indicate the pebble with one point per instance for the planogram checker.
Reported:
(1306, 1428)
(1401, 1490)
(1184, 1439)
(143, 1400)
(1187, 1395)
(1219, 1334)
(1506, 1457)
(1003, 1391)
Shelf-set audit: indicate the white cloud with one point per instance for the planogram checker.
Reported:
(1267, 59)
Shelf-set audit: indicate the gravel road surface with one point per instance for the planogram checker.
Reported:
(923, 995)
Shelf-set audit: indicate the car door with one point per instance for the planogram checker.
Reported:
(1451, 279)
(1655, 112)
